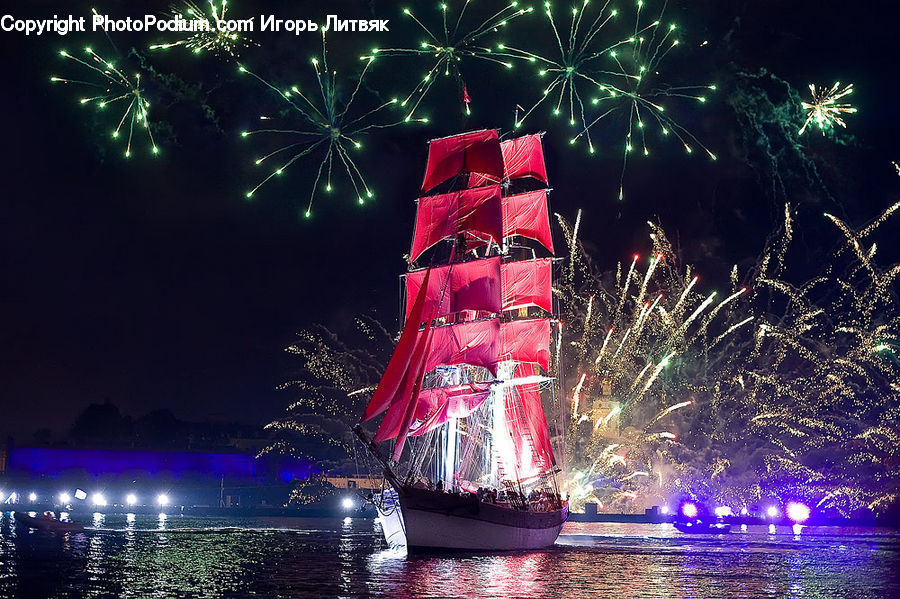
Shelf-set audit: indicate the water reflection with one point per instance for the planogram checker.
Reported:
(144, 555)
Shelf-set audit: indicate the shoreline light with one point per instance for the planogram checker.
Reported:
(797, 512)
(98, 499)
(162, 499)
(689, 510)
(131, 499)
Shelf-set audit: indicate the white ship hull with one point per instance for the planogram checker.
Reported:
(426, 520)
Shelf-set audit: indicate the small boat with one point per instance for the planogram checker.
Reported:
(701, 527)
(47, 523)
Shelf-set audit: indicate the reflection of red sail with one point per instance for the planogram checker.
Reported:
(522, 157)
(526, 341)
(391, 381)
(527, 283)
(526, 214)
(471, 285)
(475, 152)
(446, 215)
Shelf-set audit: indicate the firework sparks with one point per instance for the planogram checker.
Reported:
(824, 110)
(317, 123)
(334, 378)
(448, 47)
(112, 88)
(608, 64)
(212, 32)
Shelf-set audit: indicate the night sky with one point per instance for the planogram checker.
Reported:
(153, 283)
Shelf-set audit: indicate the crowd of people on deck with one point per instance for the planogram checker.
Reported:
(537, 500)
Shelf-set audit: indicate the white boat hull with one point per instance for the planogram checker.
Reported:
(421, 524)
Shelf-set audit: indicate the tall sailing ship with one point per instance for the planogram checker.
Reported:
(465, 388)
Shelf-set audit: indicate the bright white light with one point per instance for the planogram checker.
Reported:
(98, 499)
(347, 503)
(64, 498)
(79, 494)
(797, 512)
(744, 511)
(162, 499)
(32, 496)
(689, 510)
(664, 509)
(722, 511)
(131, 499)
(772, 512)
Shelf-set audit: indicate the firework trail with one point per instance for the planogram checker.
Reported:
(823, 109)
(213, 36)
(315, 123)
(608, 64)
(451, 45)
(334, 379)
(111, 89)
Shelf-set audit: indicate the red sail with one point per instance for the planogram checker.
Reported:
(526, 283)
(530, 396)
(526, 214)
(391, 381)
(404, 401)
(446, 215)
(471, 285)
(437, 406)
(526, 341)
(522, 157)
(411, 408)
(475, 152)
(476, 343)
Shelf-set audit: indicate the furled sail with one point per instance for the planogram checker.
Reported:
(447, 215)
(473, 285)
(522, 157)
(475, 152)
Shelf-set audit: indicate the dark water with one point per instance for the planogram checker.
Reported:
(194, 557)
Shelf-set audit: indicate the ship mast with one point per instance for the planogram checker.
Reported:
(474, 353)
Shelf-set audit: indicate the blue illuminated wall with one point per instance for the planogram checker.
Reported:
(60, 462)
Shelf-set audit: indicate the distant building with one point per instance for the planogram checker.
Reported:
(362, 481)
(194, 477)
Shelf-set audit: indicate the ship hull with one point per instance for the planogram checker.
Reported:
(428, 520)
